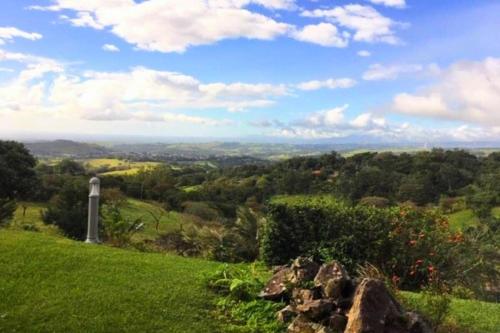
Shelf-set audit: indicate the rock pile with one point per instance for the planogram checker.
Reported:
(325, 299)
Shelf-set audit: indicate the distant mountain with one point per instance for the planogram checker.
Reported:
(66, 148)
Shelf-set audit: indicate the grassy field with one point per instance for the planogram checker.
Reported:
(133, 209)
(463, 219)
(466, 218)
(140, 209)
(121, 167)
(480, 317)
(52, 284)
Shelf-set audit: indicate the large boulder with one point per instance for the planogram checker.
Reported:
(316, 309)
(333, 280)
(302, 324)
(374, 310)
(276, 288)
(303, 270)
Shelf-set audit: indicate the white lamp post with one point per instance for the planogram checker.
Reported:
(93, 219)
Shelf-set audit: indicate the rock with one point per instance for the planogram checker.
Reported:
(302, 325)
(276, 288)
(336, 322)
(333, 280)
(316, 309)
(286, 314)
(304, 269)
(417, 324)
(344, 304)
(301, 296)
(374, 310)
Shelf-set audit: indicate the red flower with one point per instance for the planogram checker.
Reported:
(413, 242)
(419, 262)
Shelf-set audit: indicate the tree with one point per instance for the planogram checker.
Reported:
(17, 174)
(70, 167)
(68, 209)
(7, 209)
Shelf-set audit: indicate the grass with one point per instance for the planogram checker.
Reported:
(117, 167)
(140, 209)
(52, 284)
(463, 219)
(133, 209)
(477, 316)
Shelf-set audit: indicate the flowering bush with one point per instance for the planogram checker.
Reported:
(414, 247)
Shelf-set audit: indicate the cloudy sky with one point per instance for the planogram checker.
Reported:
(385, 70)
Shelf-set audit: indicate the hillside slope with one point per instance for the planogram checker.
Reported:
(51, 284)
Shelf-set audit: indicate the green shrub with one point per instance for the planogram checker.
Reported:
(7, 209)
(412, 246)
(117, 229)
(201, 209)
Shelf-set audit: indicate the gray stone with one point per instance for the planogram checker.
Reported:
(316, 309)
(304, 270)
(303, 325)
(333, 280)
(277, 287)
(374, 310)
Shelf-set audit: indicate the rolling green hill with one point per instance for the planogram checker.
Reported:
(52, 284)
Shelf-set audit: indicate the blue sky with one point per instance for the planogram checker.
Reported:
(366, 70)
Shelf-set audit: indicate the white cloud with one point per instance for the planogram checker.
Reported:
(325, 118)
(110, 48)
(173, 26)
(324, 34)
(329, 84)
(467, 91)
(381, 72)
(140, 94)
(9, 33)
(366, 22)
(364, 53)
(390, 3)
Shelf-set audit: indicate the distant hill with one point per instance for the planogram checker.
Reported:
(66, 148)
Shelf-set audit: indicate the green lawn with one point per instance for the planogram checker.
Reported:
(133, 209)
(462, 219)
(140, 209)
(480, 317)
(52, 284)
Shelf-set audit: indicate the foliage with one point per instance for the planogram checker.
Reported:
(414, 247)
(117, 229)
(68, 209)
(378, 202)
(69, 167)
(7, 209)
(238, 287)
(17, 174)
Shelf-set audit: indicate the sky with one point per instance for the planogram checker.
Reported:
(360, 70)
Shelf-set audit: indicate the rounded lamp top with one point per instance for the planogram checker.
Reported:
(94, 180)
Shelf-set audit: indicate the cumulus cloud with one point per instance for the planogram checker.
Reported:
(324, 34)
(173, 26)
(364, 53)
(366, 22)
(110, 48)
(139, 94)
(9, 33)
(329, 84)
(390, 3)
(378, 72)
(467, 91)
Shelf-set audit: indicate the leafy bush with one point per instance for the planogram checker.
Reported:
(201, 209)
(7, 209)
(412, 246)
(68, 209)
(117, 229)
